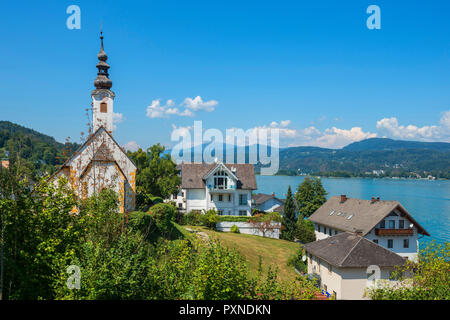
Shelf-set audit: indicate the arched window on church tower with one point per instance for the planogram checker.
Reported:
(103, 107)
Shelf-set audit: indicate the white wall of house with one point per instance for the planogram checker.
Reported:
(346, 283)
(248, 228)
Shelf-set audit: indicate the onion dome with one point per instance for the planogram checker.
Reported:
(102, 81)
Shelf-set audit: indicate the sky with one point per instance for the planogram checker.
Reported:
(313, 69)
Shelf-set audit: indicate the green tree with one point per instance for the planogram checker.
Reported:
(310, 196)
(304, 230)
(426, 279)
(290, 217)
(157, 174)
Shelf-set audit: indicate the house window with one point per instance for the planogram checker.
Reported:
(390, 243)
(391, 224)
(220, 212)
(220, 197)
(103, 107)
(375, 241)
(405, 243)
(220, 180)
(382, 224)
(229, 198)
(318, 227)
(242, 199)
(242, 212)
(330, 231)
(212, 199)
(180, 205)
(325, 230)
(401, 224)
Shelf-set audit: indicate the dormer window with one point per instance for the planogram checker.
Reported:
(103, 107)
(220, 180)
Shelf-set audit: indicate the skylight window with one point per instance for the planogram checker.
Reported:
(340, 214)
(331, 213)
(349, 217)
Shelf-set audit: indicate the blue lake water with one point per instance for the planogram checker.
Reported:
(427, 201)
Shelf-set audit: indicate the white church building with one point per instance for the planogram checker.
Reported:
(101, 162)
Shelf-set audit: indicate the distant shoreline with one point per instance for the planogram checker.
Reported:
(330, 177)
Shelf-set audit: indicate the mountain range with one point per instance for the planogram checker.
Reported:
(370, 157)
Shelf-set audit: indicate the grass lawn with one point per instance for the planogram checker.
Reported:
(273, 252)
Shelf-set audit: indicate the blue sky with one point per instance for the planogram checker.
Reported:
(311, 68)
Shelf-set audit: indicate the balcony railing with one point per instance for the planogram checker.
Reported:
(394, 232)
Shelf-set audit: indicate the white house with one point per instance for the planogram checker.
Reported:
(344, 262)
(100, 162)
(384, 222)
(226, 188)
(266, 202)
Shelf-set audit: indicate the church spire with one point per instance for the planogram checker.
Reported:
(102, 81)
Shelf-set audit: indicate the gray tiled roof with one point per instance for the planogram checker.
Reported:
(353, 251)
(365, 214)
(260, 198)
(192, 175)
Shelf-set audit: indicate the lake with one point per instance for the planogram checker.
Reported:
(428, 201)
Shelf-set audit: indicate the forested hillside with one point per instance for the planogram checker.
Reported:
(40, 152)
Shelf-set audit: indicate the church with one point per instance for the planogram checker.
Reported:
(101, 162)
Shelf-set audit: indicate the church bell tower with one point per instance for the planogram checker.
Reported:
(102, 96)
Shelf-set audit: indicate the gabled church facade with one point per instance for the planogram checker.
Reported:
(100, 162)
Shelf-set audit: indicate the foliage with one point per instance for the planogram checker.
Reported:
(209, 219)
(304, 230)
(192, 218)
(310, 196)
(290, 217)
(234, 229)
(39, 235)
(145, 201)
(297, 262)
(38, 152)
(163, 214)
(157, 174)
(426, 279)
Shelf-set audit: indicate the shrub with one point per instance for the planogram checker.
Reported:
(304, 230)
(209, 219)
(297, 262)
(163, 214)
(234, 229)
(193, 218)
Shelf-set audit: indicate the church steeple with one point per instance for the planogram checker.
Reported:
(102, 96)
(102, 81)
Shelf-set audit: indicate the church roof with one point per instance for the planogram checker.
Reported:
(103, 153)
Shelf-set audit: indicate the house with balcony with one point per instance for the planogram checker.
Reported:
(384, 222)
(226, 188)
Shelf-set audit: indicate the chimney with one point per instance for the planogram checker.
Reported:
(273, 194)
(378, 198)
(343, 198)
(372, 200)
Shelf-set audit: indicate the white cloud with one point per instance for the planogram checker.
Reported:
(390, 127)
(158, 110)
(131, 146)
(198, 104)
(311, 136)
(117, 118)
